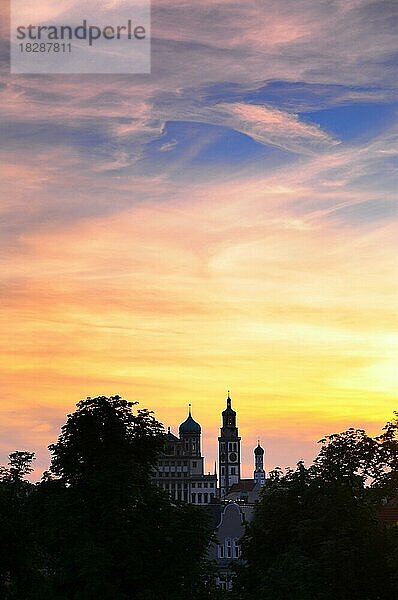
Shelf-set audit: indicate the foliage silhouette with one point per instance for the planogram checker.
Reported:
(98, 527)
(317, 534)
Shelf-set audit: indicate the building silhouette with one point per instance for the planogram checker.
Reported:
(180, 470)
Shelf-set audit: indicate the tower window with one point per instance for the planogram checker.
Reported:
(221, 551)
(228, 545)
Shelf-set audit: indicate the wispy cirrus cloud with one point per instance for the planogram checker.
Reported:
(150, 248)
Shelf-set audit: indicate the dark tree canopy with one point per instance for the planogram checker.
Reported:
(18, 567)
(317, 532)
(20, 464)
(104, 438)
(96, 527)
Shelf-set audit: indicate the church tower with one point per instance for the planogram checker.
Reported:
(259, 473)
(228, 450)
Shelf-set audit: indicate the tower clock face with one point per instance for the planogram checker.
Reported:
(232, 457)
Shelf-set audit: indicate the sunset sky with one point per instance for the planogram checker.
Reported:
(228, 222)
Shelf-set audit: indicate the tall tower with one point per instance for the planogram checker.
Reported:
(259, 473)
(228, 450)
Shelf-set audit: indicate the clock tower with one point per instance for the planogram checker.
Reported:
(228, 450)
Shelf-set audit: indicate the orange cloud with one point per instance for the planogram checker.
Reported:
(170, 290)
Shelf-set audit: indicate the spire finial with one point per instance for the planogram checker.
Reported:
(189, 409)
(228, 400)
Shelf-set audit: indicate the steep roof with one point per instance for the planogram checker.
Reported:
(171, 437)
(244, 485)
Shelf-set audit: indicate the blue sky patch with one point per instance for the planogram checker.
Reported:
(359, 121)
(203, 146)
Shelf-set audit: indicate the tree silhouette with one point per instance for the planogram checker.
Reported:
(316, 534)
(111, 533)
(18, 566)
(96, 528)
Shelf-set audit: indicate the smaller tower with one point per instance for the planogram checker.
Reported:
(259, 473)
(190, 434)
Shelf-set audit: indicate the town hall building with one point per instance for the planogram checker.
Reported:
(180, 469)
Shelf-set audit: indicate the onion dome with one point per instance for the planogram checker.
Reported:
(190, 425)
(258, 450)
